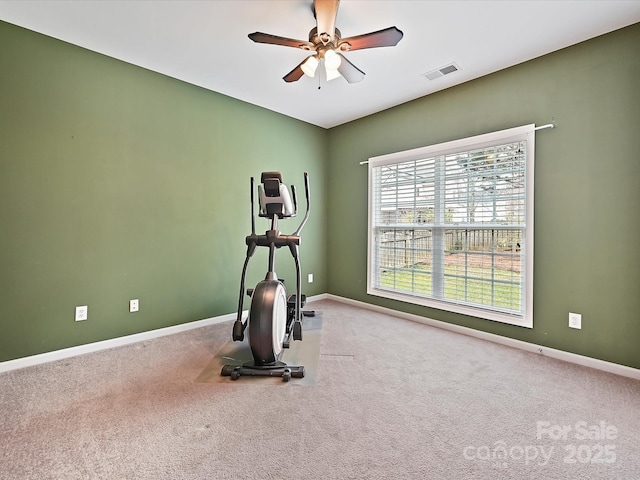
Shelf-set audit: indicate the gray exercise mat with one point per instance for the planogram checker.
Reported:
(305, 352)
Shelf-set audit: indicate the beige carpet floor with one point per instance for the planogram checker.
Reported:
(391, 399)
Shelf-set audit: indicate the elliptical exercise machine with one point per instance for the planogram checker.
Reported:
(273, 317)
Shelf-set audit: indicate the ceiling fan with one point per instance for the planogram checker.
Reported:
(326, 43)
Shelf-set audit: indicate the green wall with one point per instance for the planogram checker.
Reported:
(120, 183)
(587, 188)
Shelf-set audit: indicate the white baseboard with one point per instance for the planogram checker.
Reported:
(161, 332)
(105, 344)
(610, 367)
(120, 341)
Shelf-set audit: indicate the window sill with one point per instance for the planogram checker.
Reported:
(510, 319)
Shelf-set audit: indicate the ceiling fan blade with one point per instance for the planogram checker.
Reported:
(349, 71)
(260, 37)
(387, 37)
(325, 12)
(295, 74)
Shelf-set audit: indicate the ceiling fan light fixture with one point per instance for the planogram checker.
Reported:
(309, 67)
(331, 60)
(332, 74)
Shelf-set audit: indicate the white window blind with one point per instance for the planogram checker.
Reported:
(451, 226)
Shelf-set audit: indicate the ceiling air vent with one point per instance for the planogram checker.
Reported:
(441, 72)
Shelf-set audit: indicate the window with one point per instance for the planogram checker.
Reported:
(451, 226)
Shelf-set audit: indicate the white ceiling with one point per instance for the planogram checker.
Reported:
(205, 43)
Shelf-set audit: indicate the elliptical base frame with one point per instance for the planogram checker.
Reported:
(279, 369)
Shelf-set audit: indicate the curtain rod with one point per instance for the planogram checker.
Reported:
(541, 127)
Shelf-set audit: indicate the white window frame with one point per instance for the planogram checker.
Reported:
(524, 133)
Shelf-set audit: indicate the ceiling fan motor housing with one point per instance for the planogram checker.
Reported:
(322, 43)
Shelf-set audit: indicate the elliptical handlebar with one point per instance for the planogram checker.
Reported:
(253, 216)
(306, 215)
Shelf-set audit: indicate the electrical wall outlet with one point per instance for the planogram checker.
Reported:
(134, 305)
(310, 278)
(82, 313)
(575, 320)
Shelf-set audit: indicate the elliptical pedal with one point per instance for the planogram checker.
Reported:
(291, 300)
